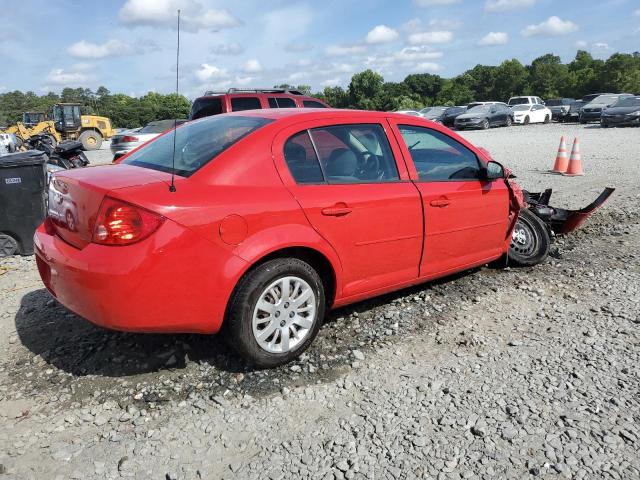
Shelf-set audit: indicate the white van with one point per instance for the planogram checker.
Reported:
(525, 101)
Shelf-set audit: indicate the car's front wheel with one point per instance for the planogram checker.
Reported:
(526, 120)
(508, 122)
(530, 240)
(275, 312)
(485, 124)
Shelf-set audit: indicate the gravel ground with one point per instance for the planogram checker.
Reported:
(493, 373)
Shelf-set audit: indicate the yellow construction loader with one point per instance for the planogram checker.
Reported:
(65, 123)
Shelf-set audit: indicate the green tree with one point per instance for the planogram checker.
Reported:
(425, 85)
(549, 77)
(511, 78)
(364, 88)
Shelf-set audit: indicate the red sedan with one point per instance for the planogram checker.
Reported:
(277, 216)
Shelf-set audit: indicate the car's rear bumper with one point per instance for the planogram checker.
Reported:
(174, 281)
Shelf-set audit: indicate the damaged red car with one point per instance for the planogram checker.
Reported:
(256, 223)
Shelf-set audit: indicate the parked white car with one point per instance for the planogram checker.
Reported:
(526, 114)
(525, 100)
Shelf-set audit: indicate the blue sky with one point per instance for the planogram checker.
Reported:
(129, 45)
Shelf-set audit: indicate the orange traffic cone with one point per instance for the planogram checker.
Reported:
(575, 161)
(562, 160)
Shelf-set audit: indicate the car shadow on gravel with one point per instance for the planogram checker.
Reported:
(74, 345)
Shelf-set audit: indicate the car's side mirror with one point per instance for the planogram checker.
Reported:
(494, 171)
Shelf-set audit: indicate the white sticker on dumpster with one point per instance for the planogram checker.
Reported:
(9, 181)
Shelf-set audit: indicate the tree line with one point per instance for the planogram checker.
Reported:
(546, 77)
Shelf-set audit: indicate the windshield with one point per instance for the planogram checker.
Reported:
(627, 102)
(518, 100)
(425, 110)
(434, 112)
(480, 109)
(454, 110)
(196, 143)
(606, 99)
(554, 102)
(521, 108)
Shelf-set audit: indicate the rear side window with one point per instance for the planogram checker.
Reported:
(343, 154)
(302, 160)
(312, 104)
(245, 103)
(438, 157)
(205, 107)
(196, 143)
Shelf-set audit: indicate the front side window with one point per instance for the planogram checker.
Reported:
(343, 154)
(196, 143)
(312, 104)
(239, 104)
(438, 157)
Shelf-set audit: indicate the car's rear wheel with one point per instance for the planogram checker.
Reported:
(530, 240)
(485, 124)
(275, 312)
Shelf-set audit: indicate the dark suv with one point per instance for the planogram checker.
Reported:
(236, 99)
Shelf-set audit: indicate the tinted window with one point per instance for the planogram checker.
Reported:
(196, 143)
(302, 160)
(159, 126)
(355, 154)
(205, 107)
(312, 104)
(438, 157)
(273, 103)
(245, 103)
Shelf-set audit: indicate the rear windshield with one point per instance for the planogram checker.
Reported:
(518, 100)
(555, 102)
(205, 107)
(196, 144)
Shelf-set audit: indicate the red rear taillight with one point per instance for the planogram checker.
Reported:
(128, 139)
(120, 223)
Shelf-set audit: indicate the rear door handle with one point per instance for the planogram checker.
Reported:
(443, 202)
(336, 211)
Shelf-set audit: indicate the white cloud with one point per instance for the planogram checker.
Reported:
(581, 44)
(227, 49)
(427, 38)
(494, 38)
(601, 47)
(68, 78)
(427, 67)
(243, 81)
(210, 72)
(636, 13)
(503, 5)
(330, 82)
(163, 13)
(551, 26)
(382, 34)
(431, 3)
(252, 66)
(340, 50)
(415, 54)
(111, 48)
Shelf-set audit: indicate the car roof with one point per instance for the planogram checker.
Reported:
(303, 114)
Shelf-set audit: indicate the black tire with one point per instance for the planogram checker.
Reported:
(546, 119)
(91, 140)
(582, 121)
(238, 323)
(530, 240)
(485, 124)
(526, 120)
(508, 123)
(8, 245)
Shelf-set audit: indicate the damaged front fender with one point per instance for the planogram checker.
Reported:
(560, 220)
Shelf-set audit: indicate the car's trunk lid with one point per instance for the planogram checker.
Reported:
(75, 196)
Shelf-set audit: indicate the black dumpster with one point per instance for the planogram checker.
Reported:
(22, 200)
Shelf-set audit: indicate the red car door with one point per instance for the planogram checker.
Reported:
(466, 217)
(347, 180)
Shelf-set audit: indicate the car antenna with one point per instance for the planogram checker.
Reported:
(172, 187)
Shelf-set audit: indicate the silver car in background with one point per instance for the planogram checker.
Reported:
(122, 143)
